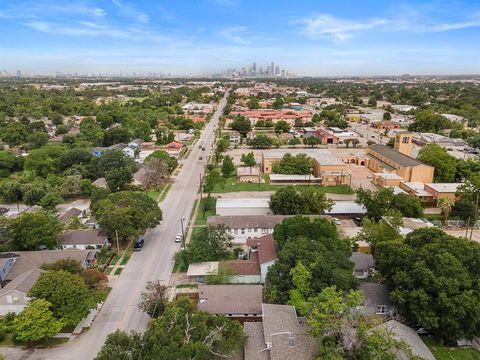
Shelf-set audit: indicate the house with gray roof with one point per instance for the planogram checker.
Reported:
(282, 336)
(246, 227)
(14, 296)
(83, 239)
(363, 265)
(377, 298)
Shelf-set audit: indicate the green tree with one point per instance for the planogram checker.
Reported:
(212, 180)
(116, 167)
(278, 103)
(465, 210)
(387, 116)
(9, 163)
(128, 212)
(71, 299)
(228, 169)
(298, 164)
(441, 160)
(36, 322)
(409, 206)
(12, 192)
(50, 201)
(316, 244)
(171, 161)
(282, 127)
(37, 140)
(428, 121)
(288, 201)
(91, 131)
(312, 141)
(248, 159)
(242, 125)
(223, 144)
(212, 243)
(154, 299)
(14, 133)
(253, 104)
(432, 276)
(69, 265)
(31, 230)
(116, 135)
(376, 202)
(120, 345)
(261, 142)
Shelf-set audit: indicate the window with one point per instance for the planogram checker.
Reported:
(264, 231)
(236, 231)
(405, 140)
(243, 231)
(381, 309)
(9, 299)
(256, 230)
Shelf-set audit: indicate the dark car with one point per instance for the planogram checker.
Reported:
(358, 221)
(138, 244)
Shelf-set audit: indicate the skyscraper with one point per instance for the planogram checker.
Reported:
(272, 69)
(254, 68)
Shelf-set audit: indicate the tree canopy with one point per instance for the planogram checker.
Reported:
(290, 164)
(290, 201)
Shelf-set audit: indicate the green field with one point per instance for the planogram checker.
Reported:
(203, 214)
(445, 353)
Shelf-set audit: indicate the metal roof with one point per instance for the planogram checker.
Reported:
(394, 155)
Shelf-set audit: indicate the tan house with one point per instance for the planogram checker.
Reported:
(443, 190)
(384, 159)
(248, 174)
(386, 179)
(325, 165)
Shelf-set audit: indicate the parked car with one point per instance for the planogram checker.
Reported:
(138, 244)
(200, 158)
(337, 221)
(178, 238)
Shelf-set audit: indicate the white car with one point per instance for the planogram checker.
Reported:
(178, 238)
(337, 221)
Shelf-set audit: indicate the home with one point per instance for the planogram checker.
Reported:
(377, 299)
(249, 174)
(130, 151)
(139, 177)
(408, 336)
(28, 260)
(327, 137)
(235, 137)
(242, 271)
(5, 266)
(247, 227)
(281, 335)
(266, 250)
(441, 191)
(83, 239)
(65, 217)
(14, 296)
(417, 189)
(398, 161)
(243, 206)
(237, 302)
(363, 265)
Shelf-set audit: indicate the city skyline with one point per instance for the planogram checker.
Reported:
(208, 36)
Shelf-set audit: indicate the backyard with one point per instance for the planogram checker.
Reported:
(442, 352)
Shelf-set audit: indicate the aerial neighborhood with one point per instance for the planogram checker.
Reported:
(240, 218)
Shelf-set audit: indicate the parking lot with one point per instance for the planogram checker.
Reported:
(360, 177)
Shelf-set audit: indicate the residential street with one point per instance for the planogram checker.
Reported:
(154, 262)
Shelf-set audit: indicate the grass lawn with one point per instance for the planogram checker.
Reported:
(211, 206)
(9, 341)
(153, 194)
(445, 353)
(231, 185)
(165, 192)
(126, 257)
(118, 271)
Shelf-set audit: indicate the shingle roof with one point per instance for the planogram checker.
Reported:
(265, 246)
(289, 338)
(247, 222)
(410, 337)
(242, 267)
(22, 283)
(230, 299)
(362, 261)
(28, 260)
(65, 217)
(395, 156)
(375, 294)
(82, 237)
(255, 348)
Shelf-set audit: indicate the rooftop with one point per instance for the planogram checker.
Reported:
(255, 346)
(230, 299)
(235, 203)
(322, 156)
(265, 247)
(444, 187)
(388, 176)
(292, 177)
(202, 268)
(362, 261)
(247, 170)
(247, 221)
(82, 237)
(23, 282)
(346, 207)
(395, 156)
(375, 294)
(242, 267)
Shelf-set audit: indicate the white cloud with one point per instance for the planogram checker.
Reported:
(328, 26)
(131, 11)
(337, 29)
(240, 35)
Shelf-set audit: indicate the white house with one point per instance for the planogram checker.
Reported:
(13, 297)
(247, 227)
(245, 206)
(83, 239)
(129, 151)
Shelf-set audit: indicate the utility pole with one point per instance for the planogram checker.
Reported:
(201, 188)
(118, 247)
(183, 232)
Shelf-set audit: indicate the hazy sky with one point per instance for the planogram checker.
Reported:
(317, 37)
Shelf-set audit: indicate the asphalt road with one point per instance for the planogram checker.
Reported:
(154, 262)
